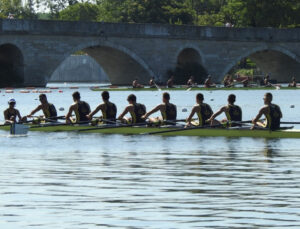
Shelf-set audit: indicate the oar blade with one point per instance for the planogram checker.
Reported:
(19, 129)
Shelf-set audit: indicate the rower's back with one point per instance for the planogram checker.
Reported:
(170, 112)
(49, 111)
(234, 113)
(83, 109)
(273, 117)
(204, 113)
(109, 111)
(138, 111)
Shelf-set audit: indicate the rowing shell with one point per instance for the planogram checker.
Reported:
(169, 131)
(193, 89)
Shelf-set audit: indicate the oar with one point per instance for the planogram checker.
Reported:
(158, 88)
(192, 128)
(295, 123)
(113, 126)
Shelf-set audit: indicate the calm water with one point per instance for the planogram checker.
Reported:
(67, 180)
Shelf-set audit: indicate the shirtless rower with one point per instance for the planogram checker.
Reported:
(152, 83)
(233, 113)
(167, 109)
(80, 108)
(203, 111)
(271, 111)
(136, 111)
(191, 82)
(108, 109)
(208, 82)
(170, 82)
(48, 109)
(293, 83)
(135, 84)
(11, 113)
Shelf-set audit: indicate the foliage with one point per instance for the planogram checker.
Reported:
(80, 12)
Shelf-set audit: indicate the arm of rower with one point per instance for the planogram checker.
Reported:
(6, 116)
(68, 116)
(189, 119)
(217, 113)
(121, 116)
(155, 109)
(19, 116)
(90, 116)
(258, 116)
(35, 110)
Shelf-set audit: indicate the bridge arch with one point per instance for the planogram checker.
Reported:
(189, 63)
(280, 62)
(119, 63)
(11, 65)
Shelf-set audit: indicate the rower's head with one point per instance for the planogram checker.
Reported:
(105, 96)
(131, 99)
(231, 99)
(43, 98)
(166, 97)
(268, 98)
(12, 103)
(76, 96)
(199, 98)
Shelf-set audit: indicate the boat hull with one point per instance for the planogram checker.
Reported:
(169, 131)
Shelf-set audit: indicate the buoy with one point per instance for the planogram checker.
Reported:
(9, 91)
(292, 106)
(184, 110)
(61, 109)
(60, 91)
(73, 87)
(35, 91)
(211, 99)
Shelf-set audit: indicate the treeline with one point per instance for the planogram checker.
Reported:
(238, 13)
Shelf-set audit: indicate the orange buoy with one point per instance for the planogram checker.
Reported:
(60, 91)
(73, 87)
(24, 91)
(9, 91)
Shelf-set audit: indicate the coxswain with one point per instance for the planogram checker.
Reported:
(152, 83)
(168, 111)
(136, 111)
(48, 109)
(80, 108)
(170, 82)
(191, 82)
(135, 84)
(272, 113)
(11, 113)
(233, 113)
(108, 109)
(208, 82)
(203, 111)
(293, 83)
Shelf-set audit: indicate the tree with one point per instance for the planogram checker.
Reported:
(80, 12)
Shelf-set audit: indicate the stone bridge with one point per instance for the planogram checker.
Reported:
(34, 49)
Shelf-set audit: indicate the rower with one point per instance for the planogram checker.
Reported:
(136, 110)
(152, 83)
(80, 108)
(293, 83)
(233, 113)
(48, 109)
(191, 83)
(11, 113)
(135, 84)
(267, 81)
(108, 109)
(167, 109)
(272, 113)
(170, 82)
(203, 111)
(208, 82)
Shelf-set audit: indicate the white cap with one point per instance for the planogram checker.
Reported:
(11, 101)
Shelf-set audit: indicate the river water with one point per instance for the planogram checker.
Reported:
(67, 180)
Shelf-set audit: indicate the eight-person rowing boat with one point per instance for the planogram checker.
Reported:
(140, 121)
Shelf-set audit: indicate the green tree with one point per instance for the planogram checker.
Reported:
(80, 12)
(11, 7)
